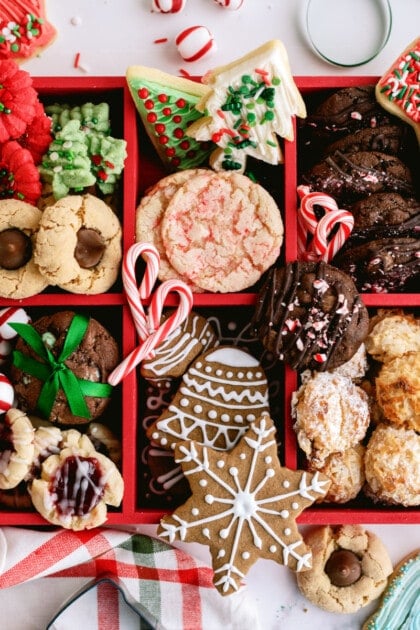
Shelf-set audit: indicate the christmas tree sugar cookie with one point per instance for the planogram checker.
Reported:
(249, 102)
(398, 89)
(244, 505)
(166, 105)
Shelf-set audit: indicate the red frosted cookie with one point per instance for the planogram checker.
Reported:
(24, 29)
(222, 231)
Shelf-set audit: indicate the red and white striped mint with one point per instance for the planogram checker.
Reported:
(5, 350)
(233, 5)
(12, 315)
(168, 6)
(7, 394)
(195, 42)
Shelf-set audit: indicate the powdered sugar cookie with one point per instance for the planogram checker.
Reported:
(150, 212)
(19, 225)
(222, 231)
(78, 245)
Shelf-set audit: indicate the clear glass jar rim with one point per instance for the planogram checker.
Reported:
(385, 5)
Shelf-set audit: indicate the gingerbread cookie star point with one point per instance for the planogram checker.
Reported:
(244, 505)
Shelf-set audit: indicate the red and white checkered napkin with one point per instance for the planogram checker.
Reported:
(173, 589)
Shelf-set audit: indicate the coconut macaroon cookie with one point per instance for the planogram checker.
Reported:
(78, 245)
(222, 231)
(19, 275)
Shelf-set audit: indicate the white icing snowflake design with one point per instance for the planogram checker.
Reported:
(244, 505)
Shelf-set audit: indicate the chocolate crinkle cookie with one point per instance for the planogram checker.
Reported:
(383, 210)
(310, 315)
(351, 176)
(391, 139)
(87, 355)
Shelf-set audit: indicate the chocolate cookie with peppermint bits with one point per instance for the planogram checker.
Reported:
(350, 176)
(310, 315)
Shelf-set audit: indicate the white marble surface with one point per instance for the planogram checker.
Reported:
(113, 34)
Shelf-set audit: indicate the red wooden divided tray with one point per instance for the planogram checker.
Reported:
(144, 502)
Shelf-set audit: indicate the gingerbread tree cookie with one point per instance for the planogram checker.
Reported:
(250, 102)
(243, 505)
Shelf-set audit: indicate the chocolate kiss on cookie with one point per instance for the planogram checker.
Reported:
(220, 394)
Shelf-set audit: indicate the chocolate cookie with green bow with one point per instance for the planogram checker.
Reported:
(61, 365)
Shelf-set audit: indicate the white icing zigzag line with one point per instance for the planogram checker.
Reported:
(206, 385)
(244, 504)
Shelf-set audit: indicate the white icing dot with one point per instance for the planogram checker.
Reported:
(284, 514)
(238, 418)
(220, 463)
(258, 374)
(184, 402)
(207, 369)
(212, 414)
(224, 533)
(221, 553)
(286, 483)
(203, 342)
(224, 417)
(199, 365)
(203, 483)
(198, 408)
(273, 548)
(229, 374)
(219, 372)
(155, 435)
(195, 511)
(164, 441)
(246, 555)
(206, 532)
(269, 472)
(268, 459)
(209, 498)
(233, 471)
(249, 376)
(251, 417)
(242, 456)
(295, 505)
(287, 531)
(240, 375)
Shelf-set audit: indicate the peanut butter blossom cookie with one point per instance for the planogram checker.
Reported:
(243, 505)
(349, 570)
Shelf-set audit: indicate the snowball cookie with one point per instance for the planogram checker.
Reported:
(392, 466)
(19, 275)
(350, 567)
(393, 336)
(331, 413)
(397, 388)
(79, 244)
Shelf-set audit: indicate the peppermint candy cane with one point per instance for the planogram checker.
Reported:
(320, 248)
(135, 294)
(325, 249)
(164, 330)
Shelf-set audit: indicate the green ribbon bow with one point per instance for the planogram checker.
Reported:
(55, 373)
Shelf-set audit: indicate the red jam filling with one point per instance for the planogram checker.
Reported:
(78, 486)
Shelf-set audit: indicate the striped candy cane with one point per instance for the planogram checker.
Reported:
(135, 294)
(159, 333)
(320, 248)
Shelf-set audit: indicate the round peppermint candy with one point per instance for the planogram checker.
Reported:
(195, 42)
(7, 394)
(233, 5)
(11, 315)
(168, 6)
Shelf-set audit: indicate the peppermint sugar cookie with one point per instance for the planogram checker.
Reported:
(244, 505)
(222, 231)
